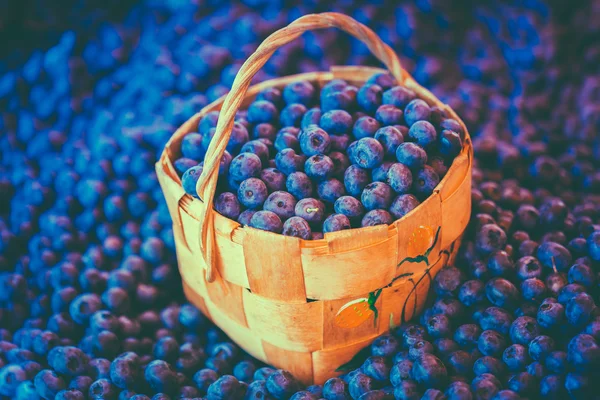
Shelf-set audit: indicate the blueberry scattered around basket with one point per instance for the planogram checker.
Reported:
(384, 136)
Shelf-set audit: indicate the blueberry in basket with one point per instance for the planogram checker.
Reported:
(327, 159)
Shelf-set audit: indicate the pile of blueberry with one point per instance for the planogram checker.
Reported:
(90, 299)
(304, 162)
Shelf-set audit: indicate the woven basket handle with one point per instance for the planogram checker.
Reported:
(208, 180)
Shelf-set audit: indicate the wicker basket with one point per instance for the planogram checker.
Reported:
(309, 306)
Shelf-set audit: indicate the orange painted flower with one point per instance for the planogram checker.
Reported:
(420, 241)
(353, 313)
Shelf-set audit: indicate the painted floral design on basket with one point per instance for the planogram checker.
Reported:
(357, 312)
(420, 244)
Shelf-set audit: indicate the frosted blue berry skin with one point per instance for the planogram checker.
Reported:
(416, 110)
(273, 178)
(336, 122)
(271, 94)
(425, 181)
(286, 140)
(266, 221)
(264, 130)
(252, 193)
(319, 167)
(288, 161)
(390, 138)
(262, 111)
(297, 227)
(299, 185)
(398, 96)
(244, 166)
(340, 142)
(377, 217)
(400, 178)
(377, 195)
(355, 179)
(450, 144)
(256, 147)
(349, 206)
(190, 178)
(330, 190)
(239, 136)
(314, 140)
(302, 92)
(365, 127)
(281, 203)
(191, 146)
(368, 153)
(336, 222)
(292, 114)
(389, 115)
(412, 155)
(402, 205)
(452, 125)
(310, 209)
(423, 133)
(228, 205)
(311, 117)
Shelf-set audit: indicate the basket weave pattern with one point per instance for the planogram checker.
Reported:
(281, 298)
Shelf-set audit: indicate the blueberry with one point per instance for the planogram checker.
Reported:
(355, 180)
(368, 153)
(450, 144)
(384, 79)
(458, 391)
(553, 255)
(578, 386)
(292, 114)
(166, 348)
(403, 204)
(360, 384)
(419, 348)
(160, 376)
(336, 122)
(528, 267)
(311, 210)
(181, 165)
(68, 360)
(252, 193)
(256, 147)
(536, 369)
(335, 389)
(400, 178)
(266, 221)
(70, 394)
(552, 387)
(388, 114)
(297, 227)
(376, 195)
(365, 127)
(286, 140)
(311, 117)
(425, 181)
(491, 343)
(336, 222)
(402, 370)
(190, 178)
(583, 275)
(349, 206)
(244, 166)
(579, 309)
(412, 155)
(287, 161)
(319, 167)
(497, 319)
(377, 217)
(390, 138)
(314, 140)
(340, 142)
(228, 205)
(556, 361)
(340, 163)
(302, 92)
(273, 178)
(439, 326)
(568, 292)
(583, 352)
(265, 131)
(281, 203)
(48, 383)
(490, 238)
(282, 384)
(488, 365)
(262, 111)
(299, 185)
(204, 378)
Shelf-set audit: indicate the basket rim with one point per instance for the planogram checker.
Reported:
(352, 73)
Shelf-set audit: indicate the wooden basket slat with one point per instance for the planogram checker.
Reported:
(456, 212)
(300, 364)
(325, 362)
(304, 322)
(267, 254)
(339, 242)
(333, 335)
(356, 271)
(228, 298)
(451, 182)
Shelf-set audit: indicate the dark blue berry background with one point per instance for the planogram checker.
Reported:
(90, 297)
